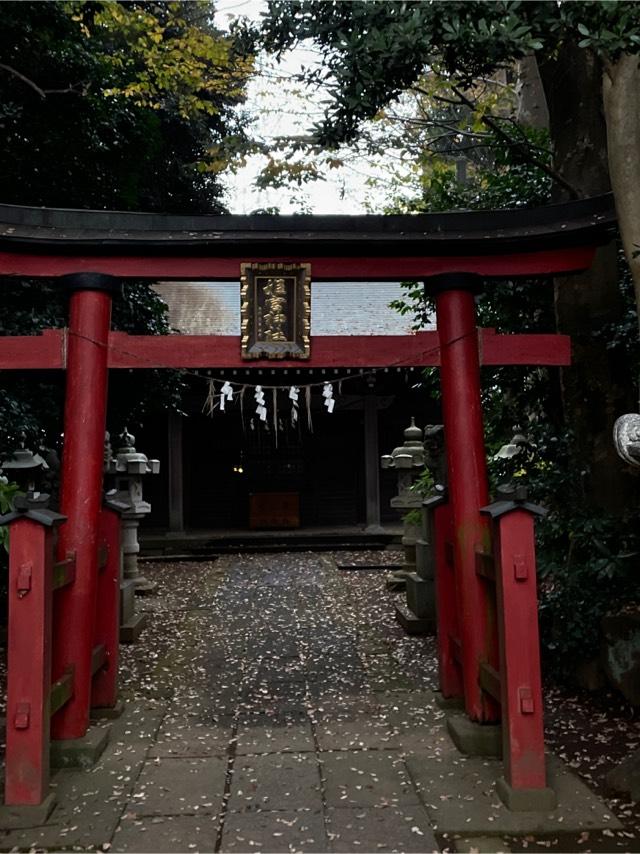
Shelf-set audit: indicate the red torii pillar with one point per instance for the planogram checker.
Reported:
(468, 484)
(81, 490)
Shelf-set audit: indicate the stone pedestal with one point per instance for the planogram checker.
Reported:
(131, 623)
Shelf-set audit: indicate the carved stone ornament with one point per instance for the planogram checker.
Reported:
(276, 310)
(626, 438)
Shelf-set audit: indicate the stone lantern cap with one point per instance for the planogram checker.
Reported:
(127, 460)
(23, 459)
(410, 454)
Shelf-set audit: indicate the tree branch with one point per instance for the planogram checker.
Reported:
(24, 79)
(28, 82)
(491, 122)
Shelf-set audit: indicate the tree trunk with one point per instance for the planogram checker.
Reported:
(621, 97)
(598, 386)
(532, 109)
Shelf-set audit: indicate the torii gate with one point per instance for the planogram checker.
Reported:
(94, 252)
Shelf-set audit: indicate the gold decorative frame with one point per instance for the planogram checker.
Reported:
(275, 309)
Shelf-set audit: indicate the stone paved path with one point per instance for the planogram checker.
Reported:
(274, 705)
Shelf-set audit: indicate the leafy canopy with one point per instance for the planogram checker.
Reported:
(372, 51)
(116, 105)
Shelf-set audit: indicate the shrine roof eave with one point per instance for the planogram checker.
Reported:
(586, 222)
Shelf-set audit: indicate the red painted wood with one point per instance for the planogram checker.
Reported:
(104, 691)
(29, 663)
(543, 263)
(521, 687)
(468, 488)
(524, 349)
(339, 351)
(450, 676)
(327, 351)
(81, 501)
(25, 352)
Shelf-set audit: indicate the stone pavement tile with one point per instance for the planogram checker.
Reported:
(418, 726)
(187, 736)
(481, 845)
(370, 733)
(386, 674)
(460, 797)
(258, 694)
(138, 722)
(274, 831)
(179, 786)
(205, 702)
(366, 779)
(273, 734)
(167, 834)
(388, 829)
(90, 801)
(86, 814)
(277, 781)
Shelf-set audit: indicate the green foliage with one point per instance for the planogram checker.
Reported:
(587, 560)
(8, 492)
(116, 105)
(373, 51)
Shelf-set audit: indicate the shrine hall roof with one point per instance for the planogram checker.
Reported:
(577, 223)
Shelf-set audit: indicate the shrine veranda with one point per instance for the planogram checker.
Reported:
(484, 552)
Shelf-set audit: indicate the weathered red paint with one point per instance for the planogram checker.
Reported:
(520, 681)
(29, 663)
(104, 690)
(48, 351)
(330, 268)
(468, 486)
(450, 675)
(80, 500)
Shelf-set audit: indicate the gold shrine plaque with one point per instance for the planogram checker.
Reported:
(275, 310)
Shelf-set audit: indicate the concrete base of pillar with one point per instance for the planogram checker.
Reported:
(398, 579)
(473, 738)
(374, 529)
(421, 597)
(109, 713)
(80, 752)
(130, 631)
(526, 800)
(18, 817)
(144, 587)
(450, 704)
(414, 625)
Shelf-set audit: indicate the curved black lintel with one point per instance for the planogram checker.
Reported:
(578, 223)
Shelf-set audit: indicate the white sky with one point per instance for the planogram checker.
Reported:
(281, 107)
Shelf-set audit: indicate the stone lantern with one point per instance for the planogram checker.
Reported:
(125, 472)
(24, 467)
(418, 616)
(408, 461)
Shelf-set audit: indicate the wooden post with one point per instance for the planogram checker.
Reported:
(468, 486)
(104, 691)
(29, 662)
(448, 630)
(371, 463)
(176, 498)
(524, 784)
(81, 492)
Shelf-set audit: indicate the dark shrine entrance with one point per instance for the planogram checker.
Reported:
(482, 551)
(305, 478)
(308, 479)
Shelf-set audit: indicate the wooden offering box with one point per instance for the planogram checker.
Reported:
(274, 510)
